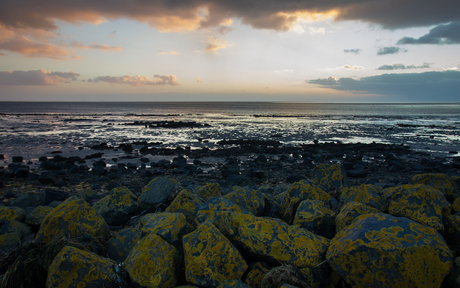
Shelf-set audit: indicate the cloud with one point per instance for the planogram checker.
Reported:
(439, 35)
(400, 66)
(389, 50)
(353, 67)
(138, 80)
(168, 53)
(198, 80)
(36, 77)
(451, 69)
(213, 45)
(427, 86)
(223, 30)
(354, 51)
(95, 46)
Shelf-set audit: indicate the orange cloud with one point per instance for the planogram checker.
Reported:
(213, 45)
(36, 77)
(103, 47)
(168, 53)
(138, 80)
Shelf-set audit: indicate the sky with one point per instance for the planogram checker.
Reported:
(216, 50)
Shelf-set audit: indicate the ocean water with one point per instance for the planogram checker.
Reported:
(33, 129)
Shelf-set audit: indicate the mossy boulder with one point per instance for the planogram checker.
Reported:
(330, 177)
(210, 258)
(273, 240)
(420, 203)
(350, 212)
(236, 283)
(118, 207)
(187, 203)
(379, 250)
(73, 267)
(157, 192)
(206, 211)
(316, 217)
(170, 226)
(9, 241)
(298, 192)
(15, 226)
(456, 205)
(441, 182)
(11, 213)
(153, 263)
(208, 191)
(255, 273)
(367, 194)
(119, 246)
(452, 231)
(73, 217)
(248, 199)
(35, 218)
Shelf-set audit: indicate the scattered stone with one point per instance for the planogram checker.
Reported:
(17, 159)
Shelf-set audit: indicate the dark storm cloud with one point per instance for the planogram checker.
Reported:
(400, 66)
(389, 50)
(428, 86)
(439, 35)
(355, 51)
(262, 14)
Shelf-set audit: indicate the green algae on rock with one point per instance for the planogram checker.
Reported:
(153, 263)
(73, 217)
(118, 207)
(367, 194)
(73, 267)
(350, 212)
(210, 257)
(379, 250)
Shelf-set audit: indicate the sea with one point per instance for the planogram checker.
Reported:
(34, 129)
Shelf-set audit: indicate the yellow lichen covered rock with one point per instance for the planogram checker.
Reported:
(73, 217)
(157, 192)
(37, 215)
(367, 194)
(210, 258)
(298, 192)
(153, 262)
(255, 273)
(330, 177)
(170, 226)
(271, 238)
(316, 217)
(420, 203)
(248, 199)
(441, 182)
(379, 250)
(15, 226)
(235, 283)
(452, 230)
(207, 210)
(119, 246)
(186, 203)
(350, 212)
(118, 207)
(9, 241)
(11, 213)
(73, 267)
(208, 191)
(456, 205)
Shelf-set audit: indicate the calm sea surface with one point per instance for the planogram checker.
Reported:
(32, 129)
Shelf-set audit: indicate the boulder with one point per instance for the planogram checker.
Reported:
(153, 262)
(25, 200)
(15, 226)
(118, 207)
(73, 217)
(208, 191)
(157, 192)
(441, 182)
(73, 267)
(186, 203)
(420, 203)
(316, 217)
(119, 246)
(367, 194)
(11, 213)
(452, 230)
(379, 250)
(330, 177)
(9, 241)
(350, 212)
(170, 226)
(206, 211)
(49, 195)
(210, 258)
(233, 284)
(255, 273)
(248, 199)
(37, 215)
(456, 205)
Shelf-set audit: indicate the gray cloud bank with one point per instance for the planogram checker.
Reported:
(400, 66)
(354, 51)
(389, 50)
(439, 35)
(138, 80)
(428, 86)
(36, 77)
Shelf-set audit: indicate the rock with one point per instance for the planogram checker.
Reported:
(248, 199)
(441, 182)
(350, 212)
(206, 211)
(186, 203)
(49, 195)
(9, 241)
(73, 217)
(15, 226)
(153, 262)
(420, 203)
(170, 226)
(21, 172)
(37, 215)
(118, 207)
(316, 217)
(456, 205)
(452, 230)
(17, 159)
(330, 177)
(357, 173)
(73, 267)
(273, 240)
(255, 273)
(287, 276)
(233, 284)
(210, 258)
(208, 191)
(379, 250)
(25, 200)
(366, 194)
(119, 246)
(11, 213)
(157, 192)
(298, 192)
(47, 178)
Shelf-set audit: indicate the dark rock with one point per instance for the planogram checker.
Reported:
(94, 156)
(157, 192)
(22, 172)
(98, 170)
(43, 158)
(2, 157)
(49, 165)
(118, 247)
(99, 163)
(357, 173)
(49, 195)
(17, 159)
(47, 178)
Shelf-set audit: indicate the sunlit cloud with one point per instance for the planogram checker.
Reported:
(400, 66)
(451, 69)
(161, 52)
(353, 67)
(36, 77)
(198, 80)
(95, 46)
(213, 45)
(138, 80)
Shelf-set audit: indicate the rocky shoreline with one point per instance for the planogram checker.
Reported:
(260, 215)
